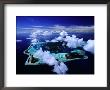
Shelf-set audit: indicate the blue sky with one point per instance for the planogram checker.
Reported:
(28, 21)
(68, 23)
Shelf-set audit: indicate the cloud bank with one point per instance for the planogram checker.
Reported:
(44, 30)
(71, 41)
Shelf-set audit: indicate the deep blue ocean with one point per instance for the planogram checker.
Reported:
(74, 67)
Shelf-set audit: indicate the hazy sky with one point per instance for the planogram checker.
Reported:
(68, 23)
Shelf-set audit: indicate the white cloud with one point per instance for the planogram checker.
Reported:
(18, 40)
(60, 38)
(80, 42)
(57, 39)
(46, 33)
(33, 36)
(60, 68)
(63, 33)
(72, 42)
(47, 40)
(38, 54)
(74, 28)
(59, 27)
(35, 33)
(47, 58)
(55, 29)
(34, 41)
(89, 46)
(28, 38)
(54, 40)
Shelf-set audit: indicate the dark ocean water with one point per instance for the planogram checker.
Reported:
(74, 67)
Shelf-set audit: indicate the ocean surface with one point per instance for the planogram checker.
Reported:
(74, 67)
